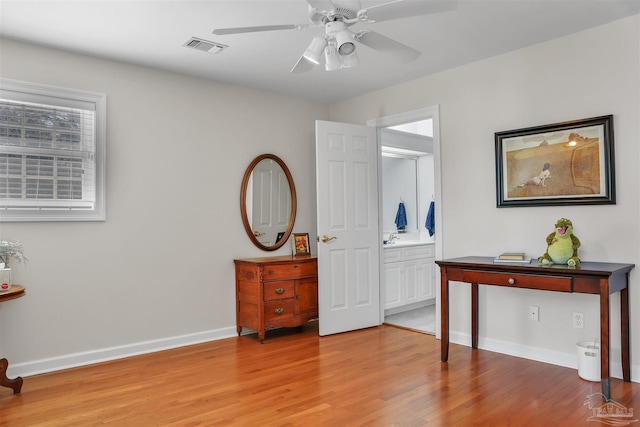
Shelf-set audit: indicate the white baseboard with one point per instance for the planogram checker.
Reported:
(568, 360)
(102, 355)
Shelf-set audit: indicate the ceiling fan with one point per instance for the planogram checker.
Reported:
(338, 44)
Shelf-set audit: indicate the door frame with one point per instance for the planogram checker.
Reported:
(432, 113)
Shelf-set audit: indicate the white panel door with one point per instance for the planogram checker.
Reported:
(347, 197)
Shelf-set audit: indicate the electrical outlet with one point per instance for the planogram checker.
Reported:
(578, 320)
(533, 313)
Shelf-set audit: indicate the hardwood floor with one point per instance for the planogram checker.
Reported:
(382, 376)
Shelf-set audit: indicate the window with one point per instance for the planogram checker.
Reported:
(52, 153)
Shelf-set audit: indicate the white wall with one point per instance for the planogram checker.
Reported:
(592, 73)
(159, 271)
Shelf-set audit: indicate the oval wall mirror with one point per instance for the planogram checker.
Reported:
(268, 202)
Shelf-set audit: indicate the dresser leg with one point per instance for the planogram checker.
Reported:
(15, 384)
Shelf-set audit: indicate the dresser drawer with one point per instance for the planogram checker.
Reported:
(279, 290)
(530, 281)
(281, 309)
(290, 270)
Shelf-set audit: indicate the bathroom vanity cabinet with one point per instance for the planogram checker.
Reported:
(275, 292)
(409, 275)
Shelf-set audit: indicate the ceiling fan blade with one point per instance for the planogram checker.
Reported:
(384, 44)
(303, 65)
(240, 30)
(407, 8)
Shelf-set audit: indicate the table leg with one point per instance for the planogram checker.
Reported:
(444, 315)
(474, 315)
(624, 319)
(15, 384)
(604, 339)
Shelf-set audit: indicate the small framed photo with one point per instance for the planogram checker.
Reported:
(300, 244)
(558, 164)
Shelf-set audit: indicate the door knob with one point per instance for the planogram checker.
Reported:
(326, 238)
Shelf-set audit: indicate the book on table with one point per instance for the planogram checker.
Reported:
(513, 256)
(512, 261)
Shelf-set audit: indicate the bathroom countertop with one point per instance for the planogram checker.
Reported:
(401, 243)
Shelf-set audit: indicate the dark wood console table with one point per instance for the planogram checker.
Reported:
(598, 278)
(16, 291)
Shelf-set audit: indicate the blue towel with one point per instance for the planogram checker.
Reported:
(430, 223)
(401, 217)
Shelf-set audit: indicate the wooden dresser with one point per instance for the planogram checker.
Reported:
(275, 291)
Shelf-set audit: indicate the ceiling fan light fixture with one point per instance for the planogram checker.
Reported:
(345, 42)
(331, 59)
(315, 49)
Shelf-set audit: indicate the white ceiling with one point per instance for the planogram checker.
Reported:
(152, 33)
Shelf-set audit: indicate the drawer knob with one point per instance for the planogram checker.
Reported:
(280, 291)
(512, 280)
(279, 310)
(271, 272)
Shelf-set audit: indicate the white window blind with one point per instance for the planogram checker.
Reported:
(52, 147)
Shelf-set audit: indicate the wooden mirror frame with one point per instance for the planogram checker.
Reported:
(243, 202)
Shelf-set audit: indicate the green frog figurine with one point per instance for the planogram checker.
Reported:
(562, 245)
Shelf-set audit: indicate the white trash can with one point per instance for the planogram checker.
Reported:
(589, 360)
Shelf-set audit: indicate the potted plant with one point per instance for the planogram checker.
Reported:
(9, 250)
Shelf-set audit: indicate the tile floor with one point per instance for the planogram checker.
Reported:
(422, 319)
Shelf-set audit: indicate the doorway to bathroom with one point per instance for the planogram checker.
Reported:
(410, 185)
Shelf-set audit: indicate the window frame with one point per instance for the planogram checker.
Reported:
(19, 91)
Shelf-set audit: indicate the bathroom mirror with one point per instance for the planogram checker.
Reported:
(268, 202)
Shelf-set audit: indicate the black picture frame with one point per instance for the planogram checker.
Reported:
(564, 163)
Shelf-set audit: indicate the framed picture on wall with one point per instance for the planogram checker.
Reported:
(558, 164)
(300, 244)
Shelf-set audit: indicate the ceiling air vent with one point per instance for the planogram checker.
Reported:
(204, 45)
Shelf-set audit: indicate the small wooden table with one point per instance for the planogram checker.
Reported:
(16, 291)
(598, 278)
